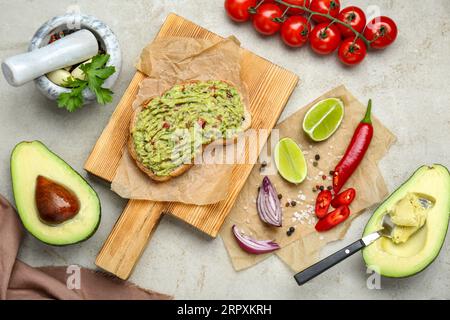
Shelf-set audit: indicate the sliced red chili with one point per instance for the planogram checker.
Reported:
(323, 203)
(344, 198)
(333, 219)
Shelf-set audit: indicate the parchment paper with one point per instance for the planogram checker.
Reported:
(166, 62)
(302, 248)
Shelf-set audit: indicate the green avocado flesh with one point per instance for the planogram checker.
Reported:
(171, 130)
(32, 159)
(420, 233)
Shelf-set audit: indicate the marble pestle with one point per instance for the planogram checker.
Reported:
(70, 50)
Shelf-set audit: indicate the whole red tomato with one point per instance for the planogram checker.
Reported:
(353, 16)
(264, 19)
(324, 38)
(381, 32)
(237, 10)
(331, 7)
(295, 31)
(295, 11)
(352, 52)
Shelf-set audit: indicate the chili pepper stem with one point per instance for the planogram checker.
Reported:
(368, 117)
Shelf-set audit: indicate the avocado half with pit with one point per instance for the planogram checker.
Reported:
(422, 248)
(55, 204)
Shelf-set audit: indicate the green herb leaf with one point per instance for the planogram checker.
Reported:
(72, 100)
(104, 95)
(72, 82)
(96, 73)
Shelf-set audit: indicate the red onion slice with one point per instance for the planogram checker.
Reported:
(254, 246)
(268, 204)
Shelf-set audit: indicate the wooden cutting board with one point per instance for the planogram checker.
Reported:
(269, 86)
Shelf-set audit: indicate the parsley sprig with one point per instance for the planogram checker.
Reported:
(96, 72)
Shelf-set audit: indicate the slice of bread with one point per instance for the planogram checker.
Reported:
(246, 123)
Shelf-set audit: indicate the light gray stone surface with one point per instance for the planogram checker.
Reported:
(409, 83)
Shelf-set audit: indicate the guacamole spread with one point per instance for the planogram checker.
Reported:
(409, 215)
(172, 128)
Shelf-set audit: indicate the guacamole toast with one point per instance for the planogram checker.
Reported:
(163, 138)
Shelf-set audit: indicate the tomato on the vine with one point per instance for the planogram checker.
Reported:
(352, 52)
(381, 32)
(295, 11)
(353, 16)
(238, 10)
(325, 38)
(330, 7)
(264, 19)
(295, 31)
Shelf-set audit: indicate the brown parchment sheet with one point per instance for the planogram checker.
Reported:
(166, 62)
(303, 247)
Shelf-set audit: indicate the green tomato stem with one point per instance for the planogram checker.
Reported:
(326, 15)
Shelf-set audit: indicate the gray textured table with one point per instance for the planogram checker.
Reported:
(409, 85)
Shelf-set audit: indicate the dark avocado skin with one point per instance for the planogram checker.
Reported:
(100, 204)
(443, 242)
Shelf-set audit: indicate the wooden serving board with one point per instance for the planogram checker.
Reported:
(269, 86)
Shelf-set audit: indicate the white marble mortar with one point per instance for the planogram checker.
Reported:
(107, 39)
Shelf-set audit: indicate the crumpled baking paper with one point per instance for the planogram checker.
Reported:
(166, 62)
(302, 248)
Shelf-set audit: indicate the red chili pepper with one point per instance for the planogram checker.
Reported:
(333, 219)
(355, 151)
(344, 198)
(323, 202)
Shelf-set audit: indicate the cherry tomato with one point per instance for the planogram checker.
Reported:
(331, 7)
(295, 11)
(333, 219)
(323, 203)
(263, 20)
(352, 52)
(295, 31)
(237, 10)
(353, 16)
(324, 38)
(381, 32)
(344, 198)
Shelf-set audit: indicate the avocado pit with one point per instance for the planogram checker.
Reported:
(55, 203)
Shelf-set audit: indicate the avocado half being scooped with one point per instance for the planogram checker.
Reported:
(420, 230)
(55, 204)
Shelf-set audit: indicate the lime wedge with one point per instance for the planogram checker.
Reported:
(323, 119)
(290, 161)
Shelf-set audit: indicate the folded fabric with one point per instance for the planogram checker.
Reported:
(20, 281)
